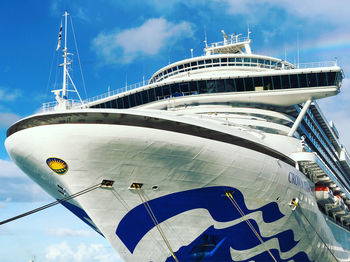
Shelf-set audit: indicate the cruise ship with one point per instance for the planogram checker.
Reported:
(222, 157)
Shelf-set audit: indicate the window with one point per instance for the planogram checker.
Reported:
(216, 62)
(201, 64)
(211, 86)
(312, 79)
(239, 85)
(254, 61)
(202, 87)
(331, 78)
(125, 102)
(132, 100)
(208, 63)
(166, 91)
(258, 84)
(276, 82)
(322, 80)
(294, 81)
(175, 90)
(120, 103)
(220, 86)
(267, 83)
(285, 81)
(249, 84)
(232, 60)
(138, 99)
(229, 85)
(184, 88)
(159, 92)
(193, 87)
(302, 80)
(151, 95)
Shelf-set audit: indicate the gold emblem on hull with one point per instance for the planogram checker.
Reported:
(57, 165)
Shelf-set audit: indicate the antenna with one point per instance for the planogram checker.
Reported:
(285, 54)
(205, 37)
(249, 32)
(298, 50)
(224, 34)
(191, 52)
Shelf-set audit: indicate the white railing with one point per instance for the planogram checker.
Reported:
(54, 106)
(117, 91)
(232, 40)
(317, 64)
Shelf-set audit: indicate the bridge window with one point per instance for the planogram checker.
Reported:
(249, 84)
(194, 87)
(267, 82)
(239, 84)
(303, 80)
(276, 82)
(211, 86)
(258, 84)
(285, 81)
(220, 86)
(229, 85)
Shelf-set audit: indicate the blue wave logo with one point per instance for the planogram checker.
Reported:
(215, 244)
(137, 223)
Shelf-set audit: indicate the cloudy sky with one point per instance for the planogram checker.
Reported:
(121, 42)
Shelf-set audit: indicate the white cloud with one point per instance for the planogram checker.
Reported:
(7, 119)
(148, 39)
(62, 252)
(335, 12)
(67, 232)
(9, 169)
(16, 186)
(9, 95)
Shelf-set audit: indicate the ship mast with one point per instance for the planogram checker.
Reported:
(61, 94)
(65, 84)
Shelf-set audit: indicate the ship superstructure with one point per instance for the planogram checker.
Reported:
(221, 157)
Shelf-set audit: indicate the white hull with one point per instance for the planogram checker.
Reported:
(192, 175)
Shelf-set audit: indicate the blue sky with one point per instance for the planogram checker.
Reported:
(122, 41)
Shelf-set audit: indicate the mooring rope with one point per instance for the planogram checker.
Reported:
(240, 211)
(155, 221)
(51, 204)
(297, 205)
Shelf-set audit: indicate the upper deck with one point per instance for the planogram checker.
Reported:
(229, 70)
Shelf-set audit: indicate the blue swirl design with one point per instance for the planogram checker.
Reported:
(214, 244)
(137, 222)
